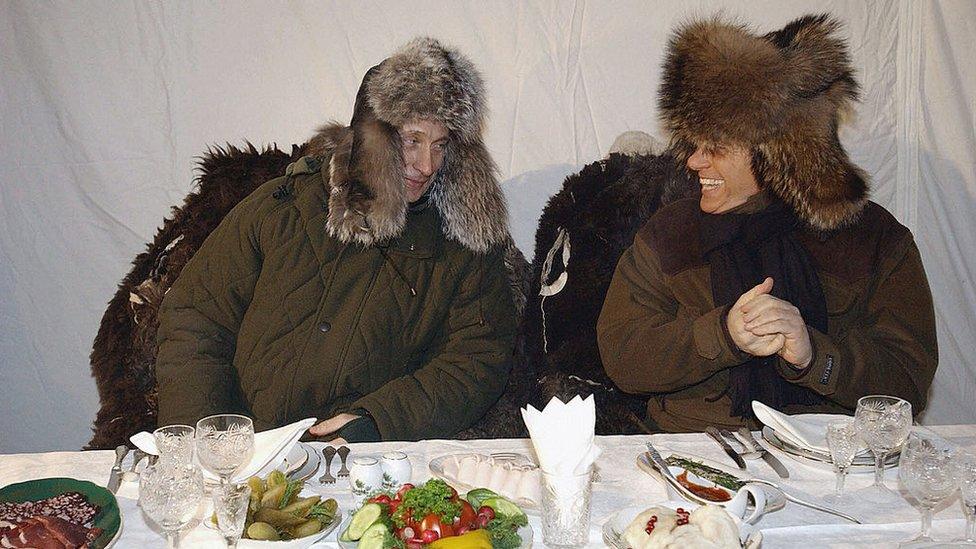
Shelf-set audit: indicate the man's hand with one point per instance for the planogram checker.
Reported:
(768, 316)
(332, 425)
(746, 340)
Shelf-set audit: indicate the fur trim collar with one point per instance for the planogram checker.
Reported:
(781, 94)
(367, 203)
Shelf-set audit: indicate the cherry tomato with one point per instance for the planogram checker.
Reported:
(468, 516)
(429, 536)
(433, 522)
(488, 511)
(403, 490)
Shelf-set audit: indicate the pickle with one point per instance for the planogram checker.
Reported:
(272, 497)
(306, 528)
(262, 531)
(300, 507)
(277, 518)
(276, 478)
(257, 487)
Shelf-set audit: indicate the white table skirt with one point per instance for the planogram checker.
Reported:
(622, 484)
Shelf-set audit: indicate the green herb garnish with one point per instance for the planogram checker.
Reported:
(432, 497)
(293, 487)
(502, 530)
(717, 476)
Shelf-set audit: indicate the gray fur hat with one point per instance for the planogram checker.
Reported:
(427, 80)
(782, 95)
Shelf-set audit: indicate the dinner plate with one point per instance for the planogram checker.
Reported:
(436, 466)
(863, 463)
(775, 500)
(109, 519)
(524, 532)
(615, 526)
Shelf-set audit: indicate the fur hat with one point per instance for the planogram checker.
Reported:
(782, 96)
(367, 203)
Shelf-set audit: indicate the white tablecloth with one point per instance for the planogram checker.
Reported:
(622, 484)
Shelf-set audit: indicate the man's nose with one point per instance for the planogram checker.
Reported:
(424, 163)
(698, 160)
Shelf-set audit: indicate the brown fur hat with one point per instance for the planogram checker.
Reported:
(781, 95)
(425, 80)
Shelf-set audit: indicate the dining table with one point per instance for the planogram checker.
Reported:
(619, 483)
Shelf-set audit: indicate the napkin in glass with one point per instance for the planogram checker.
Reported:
(562, 435)
(270, 448)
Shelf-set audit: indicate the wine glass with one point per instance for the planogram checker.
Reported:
(843, 442)
(175, 444)
(225, 442)
(230, 506)
(883, 423)
(170, 494)
(926, 472)
(965, 471)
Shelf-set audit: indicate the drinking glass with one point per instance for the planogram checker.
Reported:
(965, 471)
(225, 442)
(883, 423)
(926, 472)
(170, 494)
(175, 444)
(844, 444)
(230, 506)
(566, 509)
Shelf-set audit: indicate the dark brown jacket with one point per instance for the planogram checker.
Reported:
(661, 334)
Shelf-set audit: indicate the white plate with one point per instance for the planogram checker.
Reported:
(301, 462)
(300, 543)
(524, 532)
(437, 468)
(614, 527)
(862, 463)
(775, 500)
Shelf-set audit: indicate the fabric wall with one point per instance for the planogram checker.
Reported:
(104, 106)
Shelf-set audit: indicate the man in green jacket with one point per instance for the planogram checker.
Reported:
(367, 285)
(782, 283)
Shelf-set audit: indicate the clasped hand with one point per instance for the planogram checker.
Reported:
(762, 325)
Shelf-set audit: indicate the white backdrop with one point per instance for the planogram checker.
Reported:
(104, 105)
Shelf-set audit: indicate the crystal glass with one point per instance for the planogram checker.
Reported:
(965, 472)
(170, 494)
(566, 509)
(230, 506)
(883, 423)
(175, 444)
(844, 444)
(926, 472)
(225, 442)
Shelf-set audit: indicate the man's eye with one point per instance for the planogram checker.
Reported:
(409, 141)
(440, 146)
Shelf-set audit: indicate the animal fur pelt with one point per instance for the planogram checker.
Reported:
(600, 209)
(123, 356)
(781, 95)
(124, 352)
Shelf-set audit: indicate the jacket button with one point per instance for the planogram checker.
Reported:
(325, 327)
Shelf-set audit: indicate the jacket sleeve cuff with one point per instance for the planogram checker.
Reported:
(821, 375)
(712, 339)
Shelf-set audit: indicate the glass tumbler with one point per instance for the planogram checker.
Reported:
(566, 509)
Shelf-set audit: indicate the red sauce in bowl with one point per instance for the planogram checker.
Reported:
(711, 493)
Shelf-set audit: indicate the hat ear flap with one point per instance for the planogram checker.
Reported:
(813, 175)
(367, 201)
(471, 204)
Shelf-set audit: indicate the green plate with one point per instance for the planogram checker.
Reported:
(108, 519)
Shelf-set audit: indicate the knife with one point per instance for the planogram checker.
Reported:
(713, 432)
(657, 460)
(769, 458)
(115, 477)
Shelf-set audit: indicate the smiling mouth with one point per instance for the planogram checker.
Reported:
(710, 184)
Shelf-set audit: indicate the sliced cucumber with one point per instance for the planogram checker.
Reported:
(373, 537)
(505, 508)
(477, 496)
(362, 520)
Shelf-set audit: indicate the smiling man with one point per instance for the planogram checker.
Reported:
(367, 286)
(782, 283)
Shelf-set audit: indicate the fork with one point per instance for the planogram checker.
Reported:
(747, 452)
(343, 454)
(329, 452)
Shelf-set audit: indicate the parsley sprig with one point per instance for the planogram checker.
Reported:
(432, 497)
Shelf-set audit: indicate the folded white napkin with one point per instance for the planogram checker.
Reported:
(563, 435)
(807, 431)
(270, 448)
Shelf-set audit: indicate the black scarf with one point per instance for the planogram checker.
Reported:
(742, 250)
